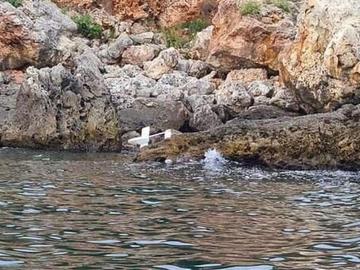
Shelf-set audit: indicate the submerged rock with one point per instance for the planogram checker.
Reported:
(328, 140)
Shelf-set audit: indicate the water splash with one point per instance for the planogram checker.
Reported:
(213, 160)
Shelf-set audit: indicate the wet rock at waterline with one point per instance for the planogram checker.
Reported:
(243, 78)
(326, 140)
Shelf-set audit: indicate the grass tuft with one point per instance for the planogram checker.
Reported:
(88, 27)
(15, 3)
(250, 7)
(180, 35)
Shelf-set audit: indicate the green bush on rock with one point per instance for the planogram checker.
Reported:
(250, 8)
(173, 37)
(178, 36)
(15, 3)
(88, 27)
(195, 26)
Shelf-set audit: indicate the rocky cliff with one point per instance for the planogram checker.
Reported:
(166, 12)
(276, 82)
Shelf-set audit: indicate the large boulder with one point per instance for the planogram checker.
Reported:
(200, 44)
(233, 95)
(327, 140)
(323, 64)
(159, 115)
(164, 63)
(60, 109)
(32, 34)
(245, 41)
(137, 55)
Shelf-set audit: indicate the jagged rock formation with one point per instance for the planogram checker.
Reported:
(326, 140)
(240, 86)
(240, 41)
(59, 109)
(166, 12)
(32, 34)
(323, 64)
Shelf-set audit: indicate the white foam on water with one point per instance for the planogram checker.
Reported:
(213, 160)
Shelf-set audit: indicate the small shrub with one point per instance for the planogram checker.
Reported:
(15, 3)
(88, 27)
(178, 36)
(250, 8)
(195, 26)
(174, 38)
(282, 4)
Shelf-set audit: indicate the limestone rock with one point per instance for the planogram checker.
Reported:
(166, 12)
(111, 54)
(258, 112)
(247, 75)
(179, 11)
(323, 64)
(327, 140)
(234, 95)
(285, 99)
(204, 118)
(159, 115)
(164, 63)
(194, 68)
(200, 45)
(248, 41)
(137, 55)
(10, 84)
(58, 109)
(143, 38)
(198, 87)
(30, 35)
(261, 91)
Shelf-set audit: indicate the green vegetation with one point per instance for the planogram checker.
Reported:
(282, 4)
(15, 3)
(174, 38)
(88, 27)
(250, 8)
(195, 26)
(178, 36)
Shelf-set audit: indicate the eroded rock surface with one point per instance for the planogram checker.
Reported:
(241, 86)
(166, 12)
(325, 140)
(323, 64)
(32, 34)
(240, 41)
(59, 109)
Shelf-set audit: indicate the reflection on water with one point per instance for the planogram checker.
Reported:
(100, 211)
